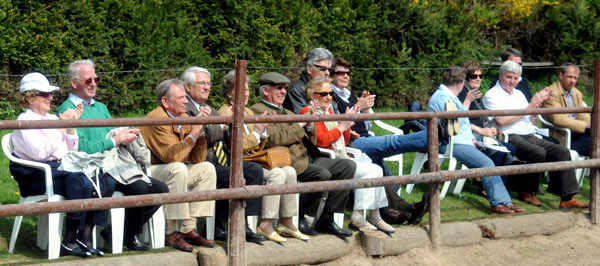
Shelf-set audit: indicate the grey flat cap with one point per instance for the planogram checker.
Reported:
(273, 78)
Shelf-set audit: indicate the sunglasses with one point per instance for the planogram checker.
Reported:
(44, 94)
(324, 68)
(342, 73)
(474, 76)
(324, 93)
(89, 80)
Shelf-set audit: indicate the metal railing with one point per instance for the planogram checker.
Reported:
(238, 192)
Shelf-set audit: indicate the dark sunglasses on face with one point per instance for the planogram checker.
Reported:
(324, 68)
(342, 73)
(474, 76)
(44, 94)
(324, 93)
(89, 80)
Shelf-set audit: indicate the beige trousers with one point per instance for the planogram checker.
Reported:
(181, 177)
(282, 205)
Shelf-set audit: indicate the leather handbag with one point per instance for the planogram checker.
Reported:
(271, 158)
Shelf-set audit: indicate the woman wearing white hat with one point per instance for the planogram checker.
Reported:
(50, 146)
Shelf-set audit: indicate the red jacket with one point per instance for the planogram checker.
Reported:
(324, 136)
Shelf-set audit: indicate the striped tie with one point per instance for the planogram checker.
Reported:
(221, 156)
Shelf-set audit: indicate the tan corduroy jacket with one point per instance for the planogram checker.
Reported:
(564, 120)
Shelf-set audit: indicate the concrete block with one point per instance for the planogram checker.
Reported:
(460, 234)
(527, 225)
(404, 239)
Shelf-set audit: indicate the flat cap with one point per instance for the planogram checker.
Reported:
(273, 78)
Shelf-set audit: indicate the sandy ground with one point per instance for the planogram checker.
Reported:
(579, 245)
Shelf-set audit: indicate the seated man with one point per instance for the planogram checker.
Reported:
(306, 159)
(564, 94)
(84, 83)
(528, 146)
(197, 86)
(178, 159)
(465, 151)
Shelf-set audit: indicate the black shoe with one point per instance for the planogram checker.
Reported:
(305, 229)
(253, 237)
(392, 216)
(418, 210)
(106, 234)
(135, 243)
(220, 233)
(76, 251)
(330, 227)
(91, 249)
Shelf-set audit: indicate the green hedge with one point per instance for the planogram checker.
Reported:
(167, 36)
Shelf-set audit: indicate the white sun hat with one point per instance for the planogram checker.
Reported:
(36, 81)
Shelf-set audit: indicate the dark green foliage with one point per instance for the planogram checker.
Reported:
(167, 36)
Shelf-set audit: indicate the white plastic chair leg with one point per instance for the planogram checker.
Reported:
(15, 233)
(42, 230)
(117, 221)
(210, 228)
(54, 223)
(252, 222)
(339, 219)
(157, 223)
(420, 159)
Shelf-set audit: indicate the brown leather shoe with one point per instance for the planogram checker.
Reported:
(196, 239)
(514, 207)
(502, 209)
(530, 198)
(175, 240)
(572, 204)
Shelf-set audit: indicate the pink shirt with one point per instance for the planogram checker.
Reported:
(42, 144)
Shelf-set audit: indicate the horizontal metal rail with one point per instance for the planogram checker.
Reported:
(258, 191)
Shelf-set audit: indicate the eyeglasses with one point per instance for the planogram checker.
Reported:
(474, 76)
(89, 80)
(324, 93)
(279, 87)
(324, 68)
(203, 83)
(45, 94)
(342, 73)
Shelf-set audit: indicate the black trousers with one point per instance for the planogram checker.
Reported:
(535, 150)
(71, 185)
(136, 217)
(253, 174)
(581, 142)
(324, 169)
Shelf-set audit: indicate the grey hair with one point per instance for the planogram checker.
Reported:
(262, 95)
(510, 66)
(189, 75)
(565, 66)
(318, 54)
(164, 89)
(453, 75)
(229, 82)
(73, 69)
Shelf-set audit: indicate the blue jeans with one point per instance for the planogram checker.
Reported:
(379, 147)
(493, 185)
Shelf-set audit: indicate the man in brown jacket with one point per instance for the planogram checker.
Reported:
(178, 159)
(564, 94)
(306, 159)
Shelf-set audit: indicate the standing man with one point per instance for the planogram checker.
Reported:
(197, 86)
(528, 146)
(564, 94)
(318, 63)
(178, 158)
(309, 166)
(84, 82)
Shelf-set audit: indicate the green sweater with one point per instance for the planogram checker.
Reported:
(91, 139)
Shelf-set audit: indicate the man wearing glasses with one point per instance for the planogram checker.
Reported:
(197, 86)
(84, 82)
(318, 63)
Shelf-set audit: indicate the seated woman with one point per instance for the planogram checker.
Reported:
(465, 150)
(335, 136)
(50, 146)
(255, 138)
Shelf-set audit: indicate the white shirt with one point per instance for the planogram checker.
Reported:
(498, 99)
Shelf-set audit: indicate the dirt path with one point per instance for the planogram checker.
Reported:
(579, 245)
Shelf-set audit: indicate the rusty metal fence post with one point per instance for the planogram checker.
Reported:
(236, 244)
(434, 187)
(594, 172)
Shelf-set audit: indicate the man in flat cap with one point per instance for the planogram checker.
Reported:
(300, 138)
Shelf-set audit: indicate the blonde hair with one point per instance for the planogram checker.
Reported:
(314, 84)
(24, 96)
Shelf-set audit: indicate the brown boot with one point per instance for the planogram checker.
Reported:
(192, 237)
(530, 198)
(175, 240)
(572, 204)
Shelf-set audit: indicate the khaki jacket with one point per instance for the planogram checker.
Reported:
(564, 120)
(250, 142)
(169, 145)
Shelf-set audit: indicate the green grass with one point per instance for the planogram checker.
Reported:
(468, 206)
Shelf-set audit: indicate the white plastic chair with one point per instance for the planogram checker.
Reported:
(396, 131)
(580, 172)
(49, 225)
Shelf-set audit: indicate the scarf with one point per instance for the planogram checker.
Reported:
(339, 146)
